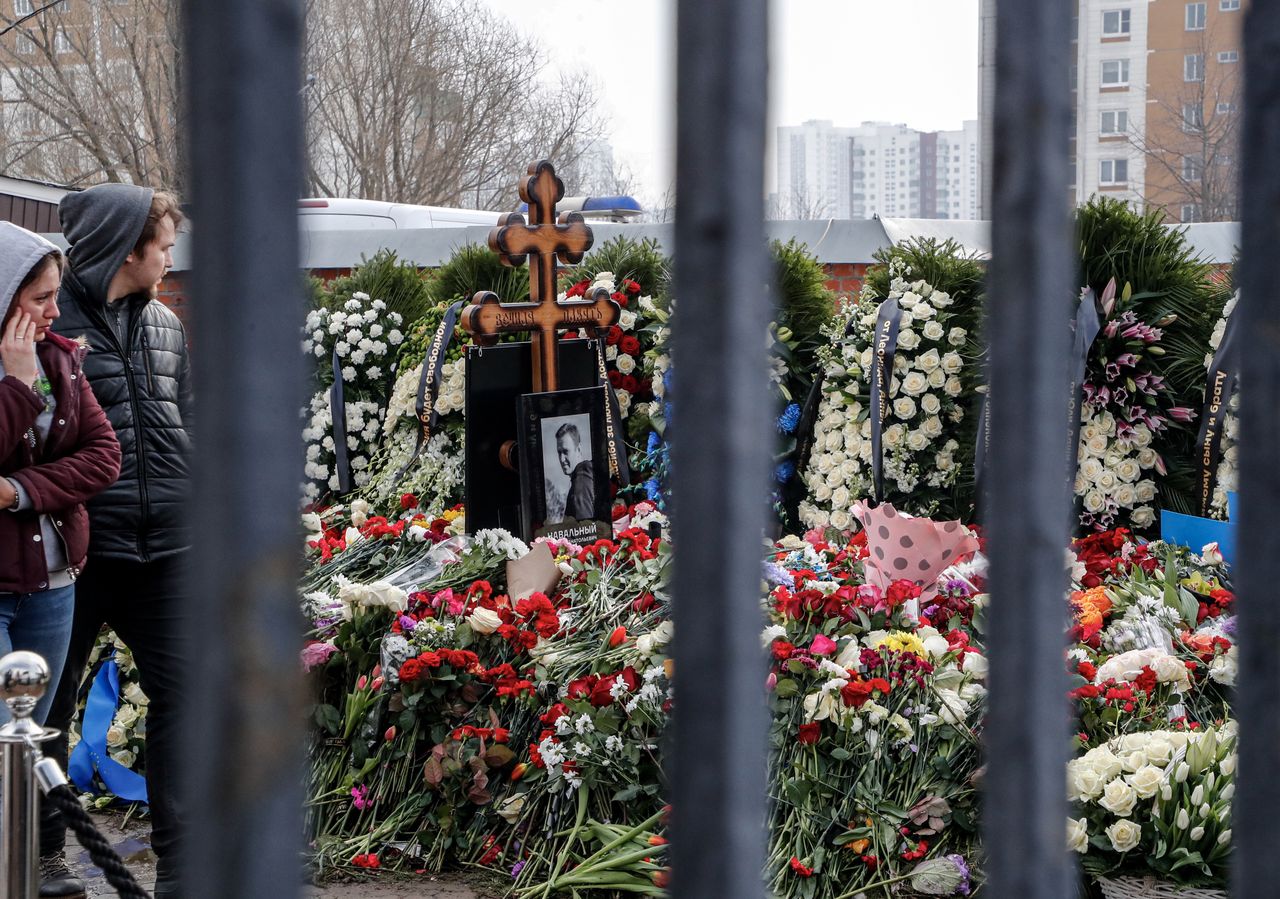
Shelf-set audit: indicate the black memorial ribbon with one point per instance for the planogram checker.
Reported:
(883, 349)
(1087, 326)
(338, 411)
(981, 443)
(429, 384)
(1217, 398)
(618, 466)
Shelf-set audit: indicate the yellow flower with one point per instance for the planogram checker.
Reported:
(901, 641)
(450, 514)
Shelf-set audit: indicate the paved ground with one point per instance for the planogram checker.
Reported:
(132, 840)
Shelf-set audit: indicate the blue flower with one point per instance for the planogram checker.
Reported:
(784, 472)
(654, 441)
(789, 420)
(653, 489)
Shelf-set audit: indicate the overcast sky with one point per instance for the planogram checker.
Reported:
(910, 61)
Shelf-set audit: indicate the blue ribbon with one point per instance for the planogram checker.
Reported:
(90, 754)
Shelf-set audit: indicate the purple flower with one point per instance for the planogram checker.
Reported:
(517, 868)
(360, 797)
(963, 867)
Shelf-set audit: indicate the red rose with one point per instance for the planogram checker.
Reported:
(554, 714)
(411, 671)
(582, 687)
(630, 383)
(408, 501)
(809, 733)
(900, 591)
(430, 659)
(1087, 670)
(602, 692)
(782, 650)
(631, 286)
(501, 735)
(613, 335)
(855, 694)
(629, 345)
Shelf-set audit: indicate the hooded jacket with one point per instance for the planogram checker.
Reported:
(78, 458)
(142, 379)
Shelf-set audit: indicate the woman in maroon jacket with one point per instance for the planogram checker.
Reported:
(56, 451)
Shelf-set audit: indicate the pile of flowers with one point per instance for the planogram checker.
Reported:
(363, 333)
(927, 437)
(1151, 677)
(1125, 406)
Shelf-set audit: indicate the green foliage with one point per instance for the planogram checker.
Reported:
(945, 264)
(384, 277)
(474, 268)
(639, 260)
(805, 304)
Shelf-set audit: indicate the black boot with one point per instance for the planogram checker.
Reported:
(57, 879)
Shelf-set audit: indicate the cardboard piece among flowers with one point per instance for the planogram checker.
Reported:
(903, 547)
(535, 572)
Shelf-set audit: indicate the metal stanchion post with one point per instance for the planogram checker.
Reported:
(24, 677)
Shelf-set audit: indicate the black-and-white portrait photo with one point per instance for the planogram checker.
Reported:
(567, 468)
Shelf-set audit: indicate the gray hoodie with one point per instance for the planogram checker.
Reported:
(102, 225)
(20, 250)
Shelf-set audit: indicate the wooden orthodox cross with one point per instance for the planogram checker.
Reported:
(544, 242)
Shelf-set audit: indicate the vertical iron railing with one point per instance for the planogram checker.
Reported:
(1255, 826)
(244, 748)
(1031, 279)
(720, 450)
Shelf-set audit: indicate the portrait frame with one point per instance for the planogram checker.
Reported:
(564, 465)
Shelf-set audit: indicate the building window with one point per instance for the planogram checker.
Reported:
(1113, 171)
(1229, 56)
(1193, 67)
(61, 43)
(1114, 121)
(119, 38)
(1192, 117)
(1195, 16)
(1191, 168)
(26, 46)
(1115, 22)
(1115, 72)
(23, 7)
(1225, 108)
(1190, 212)
(1229, 5)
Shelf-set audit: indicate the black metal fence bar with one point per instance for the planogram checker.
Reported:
(1256, 826)
(244, 758)
(1030, 287)
(721, 450)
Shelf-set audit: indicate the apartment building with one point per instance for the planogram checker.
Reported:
(1155, 87)
(876, 168)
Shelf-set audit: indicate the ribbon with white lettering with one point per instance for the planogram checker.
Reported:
(1217, 399)
(338, 411)
(884, 347)
(429, 384)
(618, 466)
(981, 443)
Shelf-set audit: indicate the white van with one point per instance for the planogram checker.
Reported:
(336, 214)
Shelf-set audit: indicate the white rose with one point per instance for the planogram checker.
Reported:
(1145, 491)
(975, 664)
(914, 384)
(627, 320)
(1129, 470)
(1078, 835)
(904, 407)
(360, 509)
(1083, 782)
(894, 435)
(127, 716)
(952, 386)
(1158, 751)
(1119, 798)
(908, 339)
(484, 621)
(1125, 495)
(1146, 781)
(928, 362)
(840, 497)
(933, 331)
(952, 363)
(1143, 516)
(116, 736)
(1124, 835)
(917, 441)
(625, 364)
(930, 404)
(932, 427)
(133, 694)
(1094, 502)
(841, 520)
(957, 336)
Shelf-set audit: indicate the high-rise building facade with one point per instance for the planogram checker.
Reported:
(1155, 87)
(876, 168)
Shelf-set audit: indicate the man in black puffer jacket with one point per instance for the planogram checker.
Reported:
(121, 237)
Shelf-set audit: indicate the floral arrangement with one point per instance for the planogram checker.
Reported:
(1227, 479)
(362, 333)
(126, 737)
(929, 425)
(1125, 406)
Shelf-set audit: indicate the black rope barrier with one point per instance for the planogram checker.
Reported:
(99, 849)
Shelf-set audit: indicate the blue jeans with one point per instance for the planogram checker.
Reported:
(41, 623)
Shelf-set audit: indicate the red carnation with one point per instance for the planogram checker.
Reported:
(1087, 670)
(809, 733)
(801, 869)
(368, 860)
(782, 650)
(408, 501)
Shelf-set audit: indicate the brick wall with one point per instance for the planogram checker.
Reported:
(845, 278)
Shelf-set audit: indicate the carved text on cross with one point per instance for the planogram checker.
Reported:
(544, 242)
